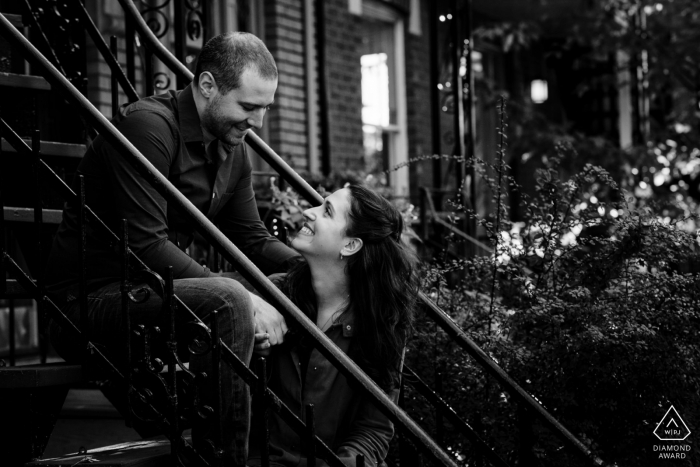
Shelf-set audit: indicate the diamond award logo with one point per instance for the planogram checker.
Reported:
(672, 427)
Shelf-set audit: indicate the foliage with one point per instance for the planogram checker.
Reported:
(596, 312)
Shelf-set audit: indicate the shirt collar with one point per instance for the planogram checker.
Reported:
(347, 321)
(190, 125)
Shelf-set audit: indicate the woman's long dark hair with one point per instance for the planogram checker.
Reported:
(383, 286)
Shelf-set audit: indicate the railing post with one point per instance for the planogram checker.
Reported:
(11, 330)
(82, 282)
(216, 374)
(310, 436)
(526, 441)
(180, 28)
(439, 423)
(264, 408)
(126, 317)
(38, 225)
(114, 49)
(148, 72)
(129, 33)
(423, 213)
(169, 308)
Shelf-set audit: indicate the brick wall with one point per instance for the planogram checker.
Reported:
(419, 112)
(343, 78)
(287, 122)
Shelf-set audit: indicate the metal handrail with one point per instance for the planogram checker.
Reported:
(312, 196)
(205, 227)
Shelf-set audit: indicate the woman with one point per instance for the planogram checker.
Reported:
(358, 285)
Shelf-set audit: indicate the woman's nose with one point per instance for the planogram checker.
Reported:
(309, 214)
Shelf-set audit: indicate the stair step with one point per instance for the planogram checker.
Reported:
(15, 20)
(14, 80)
(144, 453)
(50, 148)
(49, 216)
(36, 376)
(13, 290)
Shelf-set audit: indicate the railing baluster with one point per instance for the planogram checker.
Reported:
(439, 424)
(129, 37)
(82, 284)
(359, 460)
(11, 331)
(148, 73)
(216, 374)
(126, 316)
(114, 50)
(38, 225)
(310, 436)
(169, 309)
(526, 442)
(264, 407)
(3, 274)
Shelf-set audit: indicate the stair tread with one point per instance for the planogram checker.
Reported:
(144, 453)
(49, 216)
(14, 290)
(32, 376)
(24, 81)
(15, 20)
(51, 148)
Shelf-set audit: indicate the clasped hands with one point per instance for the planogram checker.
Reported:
(270, 326)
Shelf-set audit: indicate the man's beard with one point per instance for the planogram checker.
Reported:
(216, 124)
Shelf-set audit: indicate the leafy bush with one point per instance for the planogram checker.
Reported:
(593, 307)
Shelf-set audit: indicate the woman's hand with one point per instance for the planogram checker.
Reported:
(262, 344)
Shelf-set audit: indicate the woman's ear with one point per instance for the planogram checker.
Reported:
(352, 246)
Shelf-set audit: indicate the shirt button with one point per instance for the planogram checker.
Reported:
(348, 327)
(213, 195)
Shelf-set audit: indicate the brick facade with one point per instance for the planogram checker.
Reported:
(343, 78)
(287, 122)
(419, 106)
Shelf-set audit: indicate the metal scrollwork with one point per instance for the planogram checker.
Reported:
(195, 25)
(199, 337)
(157, 19)
(161, 80)
(140, 295)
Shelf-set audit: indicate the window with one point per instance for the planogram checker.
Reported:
(384, 96)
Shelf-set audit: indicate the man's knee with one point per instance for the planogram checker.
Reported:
(233, 297)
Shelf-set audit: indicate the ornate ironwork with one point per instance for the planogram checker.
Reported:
(157, 20)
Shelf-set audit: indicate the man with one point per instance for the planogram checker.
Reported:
(195, 138)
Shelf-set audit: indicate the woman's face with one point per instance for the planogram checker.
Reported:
(322, 235)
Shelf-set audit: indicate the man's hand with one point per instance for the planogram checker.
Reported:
(262, 344)
(268, 321)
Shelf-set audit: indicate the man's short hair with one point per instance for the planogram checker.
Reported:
(228, 55)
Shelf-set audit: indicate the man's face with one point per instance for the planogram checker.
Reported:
(228, 117)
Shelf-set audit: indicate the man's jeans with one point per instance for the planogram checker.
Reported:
(202, 296)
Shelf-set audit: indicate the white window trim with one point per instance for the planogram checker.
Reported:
(398, 146)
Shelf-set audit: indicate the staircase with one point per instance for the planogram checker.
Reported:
(43, 138)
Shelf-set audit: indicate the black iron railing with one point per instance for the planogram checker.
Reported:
(154, 48)
(231, 253)
(440, 317)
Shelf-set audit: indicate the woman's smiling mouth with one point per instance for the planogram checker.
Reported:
(306, 230)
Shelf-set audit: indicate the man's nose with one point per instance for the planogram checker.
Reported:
(256, 117)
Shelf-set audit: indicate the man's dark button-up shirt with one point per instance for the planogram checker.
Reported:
(166, 129)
